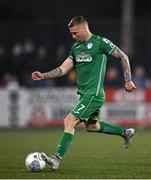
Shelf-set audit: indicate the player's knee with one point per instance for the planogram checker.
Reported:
(70, 122)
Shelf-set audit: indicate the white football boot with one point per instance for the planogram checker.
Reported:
(53, 161)
(128, 135)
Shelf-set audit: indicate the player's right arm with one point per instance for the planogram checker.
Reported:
(66, 66)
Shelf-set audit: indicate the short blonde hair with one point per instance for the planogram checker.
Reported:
(76, 20)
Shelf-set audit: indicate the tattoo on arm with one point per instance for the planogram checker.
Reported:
(125, 63)
(53, 73)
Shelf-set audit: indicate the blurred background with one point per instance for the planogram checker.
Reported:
(34, 36)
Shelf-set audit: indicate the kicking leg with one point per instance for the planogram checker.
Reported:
(70, 124)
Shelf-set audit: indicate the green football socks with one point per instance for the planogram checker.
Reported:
(111, 129)
(67, 137)
(64, 144)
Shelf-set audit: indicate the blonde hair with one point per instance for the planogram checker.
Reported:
(77, 20)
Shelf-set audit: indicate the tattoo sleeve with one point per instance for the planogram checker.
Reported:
(125, 63)
(53, 73)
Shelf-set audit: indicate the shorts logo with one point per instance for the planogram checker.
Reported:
(77, 47)
(89, 46)
(80, 108)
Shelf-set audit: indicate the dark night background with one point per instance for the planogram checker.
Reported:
(34, 35)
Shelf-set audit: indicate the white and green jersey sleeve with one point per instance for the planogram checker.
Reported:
(107, 45)
(90, 59)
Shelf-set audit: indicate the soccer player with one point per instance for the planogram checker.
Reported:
(89, 57)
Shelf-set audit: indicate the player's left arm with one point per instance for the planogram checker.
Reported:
(119, 54)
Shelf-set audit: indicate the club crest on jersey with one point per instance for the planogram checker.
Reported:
(89, 46)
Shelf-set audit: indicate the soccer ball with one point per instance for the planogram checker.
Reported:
(34, 162)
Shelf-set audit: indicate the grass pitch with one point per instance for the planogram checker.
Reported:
(91, 156)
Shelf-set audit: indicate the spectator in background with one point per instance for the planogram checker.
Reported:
(17, 49)
(149, 84)
(3, 64)
(14, 61)
(11, 82)
(140, 78)
(113, 78)
(21, 60)
(41, 62)
(41, 57)
(28, 46)
(12, 87)
(59, 54)
(28, 54)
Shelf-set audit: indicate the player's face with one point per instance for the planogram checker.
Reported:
(77, 33)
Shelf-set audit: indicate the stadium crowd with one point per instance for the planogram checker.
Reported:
(22, 58)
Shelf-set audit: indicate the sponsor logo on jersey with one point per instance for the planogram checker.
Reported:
(83, 58)
(107, 41)
(89, 46)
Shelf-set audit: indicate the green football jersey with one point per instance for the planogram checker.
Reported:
(90, 58)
